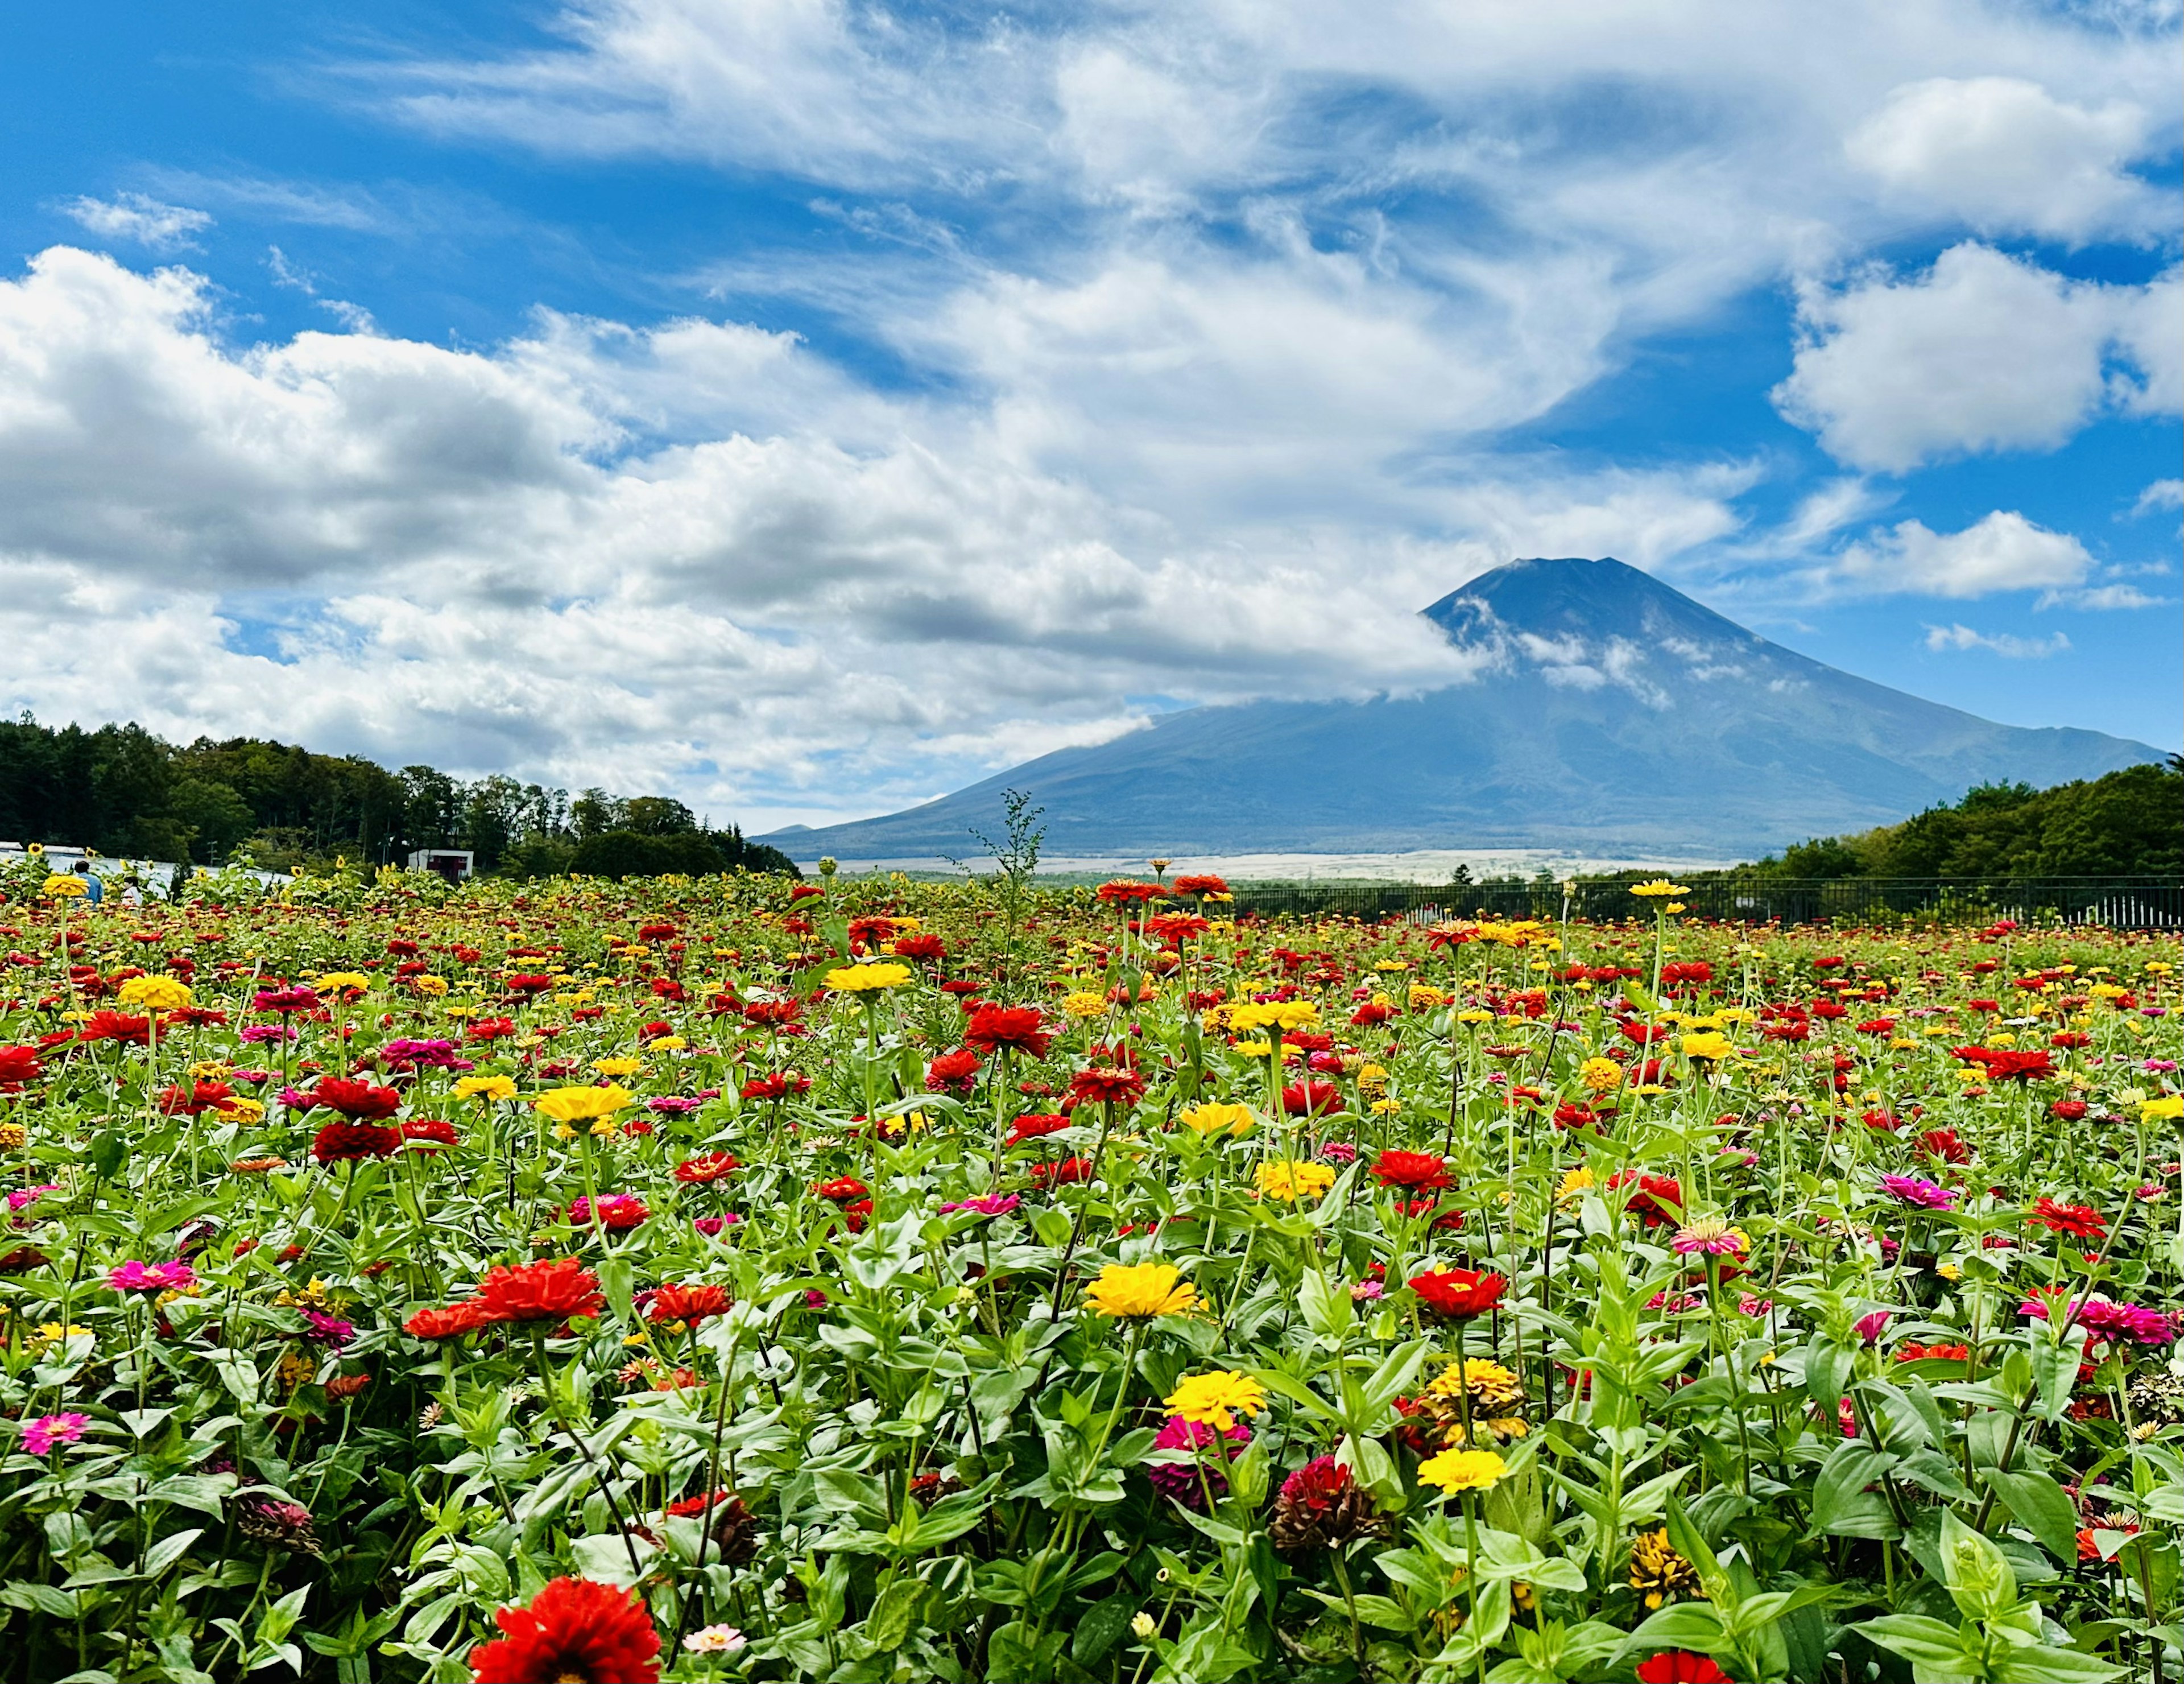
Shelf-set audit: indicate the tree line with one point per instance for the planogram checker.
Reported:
(2130, 823)
(126, 792)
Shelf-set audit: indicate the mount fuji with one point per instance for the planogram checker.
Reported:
(1607, 712)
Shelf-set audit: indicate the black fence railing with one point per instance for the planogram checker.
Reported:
(2122, 903)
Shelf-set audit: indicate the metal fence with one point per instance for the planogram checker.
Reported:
(2122, 903)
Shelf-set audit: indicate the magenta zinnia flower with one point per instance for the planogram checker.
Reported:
(41, 1436)
(1179, 1479)
(987, 1204)
(1916, 1190)
(134, 1276)
(2115, 1322)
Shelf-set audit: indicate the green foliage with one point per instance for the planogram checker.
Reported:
(2129, 823)
(127, 793)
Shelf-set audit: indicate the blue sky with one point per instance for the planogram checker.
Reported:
(807, 408)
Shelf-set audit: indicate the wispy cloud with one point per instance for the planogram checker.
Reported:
(142, 220)
(1962, 637)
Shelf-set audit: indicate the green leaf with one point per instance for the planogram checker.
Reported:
(892, 1610)
(108, 1152)
(169, 1550)
(2042, 1509)
(1329, 1310)
(2043, 1663)
(1935, 1651)
(1842, 1504)
(1101, 1628)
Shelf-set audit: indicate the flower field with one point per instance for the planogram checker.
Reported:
(730, 1279)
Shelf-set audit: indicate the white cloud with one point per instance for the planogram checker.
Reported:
(1962, 637)
(602, 555)
(2162, 493)
(1984, 352)
(145, 221)
(2104, 597)
(2008, 157)
(2003, 552)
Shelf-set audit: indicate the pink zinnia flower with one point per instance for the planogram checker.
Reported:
(1179, 1479)
(41, 1436)
(1709, 1236)
(710, 1226)
(2112, 1321)
(134, 1276)
(1868, 1329)
(1916, 1190)
(987, 1204)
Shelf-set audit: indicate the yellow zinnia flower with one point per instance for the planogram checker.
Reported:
(486, 1087)
(583, 1105)
(1079, 1004)
(342, 982)
(1659, 889)
(1212, 1117)
(1129, 1292)
(617, 1067)
(1289, 1179)
(65, 886)
(1600, 1075)
(1456, 1470)
(156, 994)
(1708, 1046)
(2167, 1108)
(867, 978)
(1210, 1399)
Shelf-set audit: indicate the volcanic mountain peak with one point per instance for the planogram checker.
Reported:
(1610, 713)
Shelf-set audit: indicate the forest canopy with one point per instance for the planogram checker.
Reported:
(244, 801)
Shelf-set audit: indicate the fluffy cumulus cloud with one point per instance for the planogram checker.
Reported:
(1982, 352)
(510, 558)
(2003, 552)
(2007, 156)
(1206, 330)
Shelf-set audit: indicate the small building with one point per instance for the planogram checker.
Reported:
(454, 864)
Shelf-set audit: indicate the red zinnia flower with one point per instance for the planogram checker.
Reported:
(1312, 1099)
(1458, 1293)
(1943, 1144)
(491, 1029)
(448, 1324)
(1012, 1028)
(345, 1142)
(1681, 1667)
(955, 1072)
(355, 1100)
(920, 947)
(434, 1129)
(18, 1064)
(1204, 882)
(1070, 1169)
(842, 1190)
(1422, 1171)
(576, 1631)
(2081, 1220)
(1033, 1126)
(116, 1026)
(1659, 1198)
(709, 1167)
(541, 1291)
(1106, 1086)
(2069, 1110)
(672, 1302)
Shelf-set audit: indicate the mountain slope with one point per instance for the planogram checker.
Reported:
(1615, 715)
